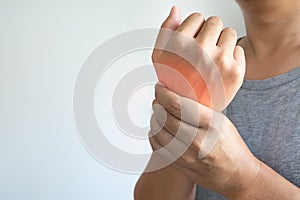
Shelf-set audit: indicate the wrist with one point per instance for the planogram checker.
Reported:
(244, 179)
(244, 191)
(268, 185)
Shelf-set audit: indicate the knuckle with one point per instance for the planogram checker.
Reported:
(233, 73)
(173, 104)
(206, 118)
(222, 59)
(230, 31)
(172, 126)
(240, 50)
(197, 143)
(206, 121)
(236, 73)
(156, 135)
(197, 15)
(188, 162)
(214, 21)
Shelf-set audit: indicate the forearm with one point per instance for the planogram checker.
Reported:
(165, 184)
(268, 185)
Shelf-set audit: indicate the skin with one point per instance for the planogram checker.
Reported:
(272, 41)
(272, 44)
(211, 63)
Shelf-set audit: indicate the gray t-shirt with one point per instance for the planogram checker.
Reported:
(267, 115)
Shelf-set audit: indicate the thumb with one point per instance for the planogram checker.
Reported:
(173, 20)
(167, 28)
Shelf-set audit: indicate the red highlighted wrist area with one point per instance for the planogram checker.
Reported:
(186, 81)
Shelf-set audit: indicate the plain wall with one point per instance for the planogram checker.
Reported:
(43, 44)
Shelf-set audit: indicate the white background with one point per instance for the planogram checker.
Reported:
(43, 44)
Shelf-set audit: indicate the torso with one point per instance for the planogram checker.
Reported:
(267, 115)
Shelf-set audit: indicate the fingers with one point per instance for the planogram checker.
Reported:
(169, 100)
(227, 40)
(160, 157)
(167, 154)
(210, 32)
(179, 129)
(186, 133)
(185, 109)
(191, 25)
(171, 148)
(173, 20)
(165, 128)
(167, 28)
(165, 139)
(206, 32)
(239, 55)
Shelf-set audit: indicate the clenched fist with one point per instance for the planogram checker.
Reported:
(198, 59)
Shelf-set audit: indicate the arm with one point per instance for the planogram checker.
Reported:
(169, 182)
(269, 185)
(164, 184)
(224, 165)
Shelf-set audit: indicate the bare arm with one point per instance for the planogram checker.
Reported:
(230, 168)
(269, 185)
(164, 184)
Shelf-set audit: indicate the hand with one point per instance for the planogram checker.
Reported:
(209, 149)
(199, 59)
